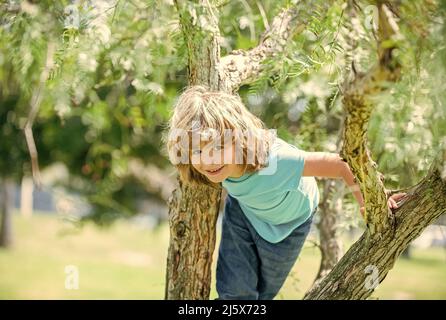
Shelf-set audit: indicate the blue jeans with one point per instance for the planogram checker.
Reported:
(249, 267)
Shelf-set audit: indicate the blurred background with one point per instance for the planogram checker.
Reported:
(96, 82)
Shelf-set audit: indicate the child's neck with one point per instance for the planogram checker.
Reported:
(238, 172)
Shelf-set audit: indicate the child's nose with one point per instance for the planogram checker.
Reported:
(215, 157)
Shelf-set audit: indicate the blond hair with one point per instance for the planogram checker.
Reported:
(216, 112)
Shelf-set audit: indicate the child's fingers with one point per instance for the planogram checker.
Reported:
(398, 196)
(395, 198)
(392, 203)
(395, 205)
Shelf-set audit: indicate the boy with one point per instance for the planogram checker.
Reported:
(272, 192)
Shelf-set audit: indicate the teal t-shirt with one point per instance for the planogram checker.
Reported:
(276, 199)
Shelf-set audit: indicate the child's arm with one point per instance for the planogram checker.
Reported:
(331, 165)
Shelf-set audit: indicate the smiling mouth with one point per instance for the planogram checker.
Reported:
(214, 172)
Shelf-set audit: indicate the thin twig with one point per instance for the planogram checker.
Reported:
(36, 99)
(263, 14)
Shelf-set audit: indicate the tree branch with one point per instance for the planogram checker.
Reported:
(358, 104)
(199, 24)
(36, 99)
(243, 66)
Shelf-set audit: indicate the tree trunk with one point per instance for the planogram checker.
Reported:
(26, 197)
(6, 194)
(329, 242)
(193, 212)
(192, 215)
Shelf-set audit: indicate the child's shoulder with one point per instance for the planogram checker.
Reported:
(285, 151)
(283, 159)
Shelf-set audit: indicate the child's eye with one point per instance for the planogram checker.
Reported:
(196, 152)
(218, 147)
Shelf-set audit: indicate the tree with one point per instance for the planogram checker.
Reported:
(387, 233)
(117, 67)
(20, 98)
(6, 190)
(99, 107)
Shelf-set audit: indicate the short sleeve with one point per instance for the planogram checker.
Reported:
(277, 198)
(267, 186)
(285, 168)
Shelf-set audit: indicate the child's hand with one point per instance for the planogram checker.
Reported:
(391, 202)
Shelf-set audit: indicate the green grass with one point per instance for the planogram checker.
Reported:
(127, 262)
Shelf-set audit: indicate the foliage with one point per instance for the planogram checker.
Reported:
(119, 66)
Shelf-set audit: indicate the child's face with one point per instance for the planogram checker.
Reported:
(216, 161)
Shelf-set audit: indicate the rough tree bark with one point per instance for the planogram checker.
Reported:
(6, 193)
(388, 233)
(26, 197)
(193, 212)
(329, 242)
